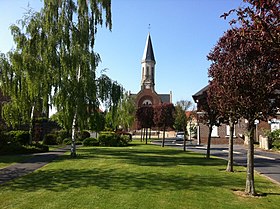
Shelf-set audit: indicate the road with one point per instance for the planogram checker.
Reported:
(266, 162)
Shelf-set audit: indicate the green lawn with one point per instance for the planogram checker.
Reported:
(138, 176)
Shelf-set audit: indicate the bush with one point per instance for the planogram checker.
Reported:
(17, 148)
(274, 138)
(83, 135)
(19, 136)
(89, 142)
(112, 139)
(78, 142)
(50, 139)
(61, 135)
(67, 141)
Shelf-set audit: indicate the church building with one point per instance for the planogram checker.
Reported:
(147, 95)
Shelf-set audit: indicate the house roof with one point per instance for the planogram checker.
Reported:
(148, 54)
(199, 94)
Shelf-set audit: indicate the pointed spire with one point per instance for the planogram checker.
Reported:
(148, 51)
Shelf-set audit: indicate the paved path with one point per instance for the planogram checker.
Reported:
(29, 165)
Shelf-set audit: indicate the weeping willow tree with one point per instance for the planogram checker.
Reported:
(21, 73)
(54, 62)
(73, 26)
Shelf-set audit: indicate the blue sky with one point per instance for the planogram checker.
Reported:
(183, 32)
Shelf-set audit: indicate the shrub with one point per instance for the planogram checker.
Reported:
(78, 142)
(17, 148)
(61, 135)
(113, 139)
(83, 135)
(19, 136)
(50, 139)
(67, 141)
(274, 138)
(125, 139)
(88, 142)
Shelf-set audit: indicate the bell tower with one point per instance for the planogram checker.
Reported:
(148, 66)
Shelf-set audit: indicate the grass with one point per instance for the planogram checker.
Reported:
(138, 176)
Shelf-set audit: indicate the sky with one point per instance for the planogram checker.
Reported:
(183, 32)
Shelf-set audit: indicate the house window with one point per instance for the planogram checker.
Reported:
(214, 131)
(228, 130)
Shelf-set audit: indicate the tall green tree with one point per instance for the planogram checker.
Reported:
(72, 26)
(22, 71)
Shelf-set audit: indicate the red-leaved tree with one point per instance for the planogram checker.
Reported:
(164, 117)
(243, 72)
(145, 115)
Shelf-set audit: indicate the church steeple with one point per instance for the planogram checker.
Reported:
(148, 51)
(148, 66)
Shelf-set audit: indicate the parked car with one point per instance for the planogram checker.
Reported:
(180, 135)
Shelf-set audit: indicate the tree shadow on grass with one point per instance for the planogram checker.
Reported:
(164, 157)
(113, 180)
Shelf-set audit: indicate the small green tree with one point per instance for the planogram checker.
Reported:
(181, 119)
(126, 112)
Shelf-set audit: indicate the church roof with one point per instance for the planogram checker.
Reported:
(148, 51)
(165, 98)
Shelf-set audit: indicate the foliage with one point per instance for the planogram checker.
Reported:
(97, 121)
(126, 112)
(19, 136)
(83, 135)
(245, 69)
(22, 71)
(180, 118)
(145, 117)
(51, 139)
(16, 148)
(164, 117)
(274, 138)
(112, 139)
(88, 142)
(61, 135)
(67, 141)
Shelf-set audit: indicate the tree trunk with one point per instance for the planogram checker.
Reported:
(163, 137)
(230, 146)
(250, 183)
(150, 133)
(73, 137)
(31, 124)
(209, 141)
(141, 134)
(184, 139)
(146, 135)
